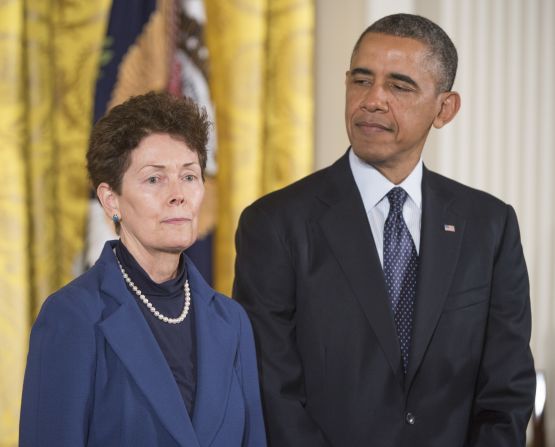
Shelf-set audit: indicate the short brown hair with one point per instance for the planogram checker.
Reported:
(122, 129)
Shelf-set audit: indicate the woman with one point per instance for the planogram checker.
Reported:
(139, 350)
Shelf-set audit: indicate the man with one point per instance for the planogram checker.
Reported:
(390, 304)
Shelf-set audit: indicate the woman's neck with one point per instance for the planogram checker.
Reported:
(159, 265)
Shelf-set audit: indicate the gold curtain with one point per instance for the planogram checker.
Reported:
(49, 52)
(14, 279)
(261, 82)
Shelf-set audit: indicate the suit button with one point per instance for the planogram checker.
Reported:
(410, 419)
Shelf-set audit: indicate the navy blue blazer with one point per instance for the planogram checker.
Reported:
(96, 376)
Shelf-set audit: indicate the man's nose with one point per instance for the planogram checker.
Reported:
(376, 99)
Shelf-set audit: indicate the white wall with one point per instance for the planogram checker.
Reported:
(338, 25)
(503, 140)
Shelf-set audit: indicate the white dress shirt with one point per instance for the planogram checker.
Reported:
(373, 187)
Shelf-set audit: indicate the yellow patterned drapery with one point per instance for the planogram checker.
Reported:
(262, 83)
(49, 54)
(262, 87)
(13, 223)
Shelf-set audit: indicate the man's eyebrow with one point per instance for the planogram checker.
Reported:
(361, 71)
(397, 76)
(404, 78)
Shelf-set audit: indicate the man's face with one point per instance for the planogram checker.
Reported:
(391, 102)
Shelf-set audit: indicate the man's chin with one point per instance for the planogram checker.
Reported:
(372, 156)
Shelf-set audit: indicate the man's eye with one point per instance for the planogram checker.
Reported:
(361, 81)
(401, 88)
(190, 177)
(152, 179)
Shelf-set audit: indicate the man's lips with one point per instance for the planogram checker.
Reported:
(372, 126)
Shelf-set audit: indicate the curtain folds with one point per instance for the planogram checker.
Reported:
(14, 268)
(49, 55)
(261, 81)
(262, 86)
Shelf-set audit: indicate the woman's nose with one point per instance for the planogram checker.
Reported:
(177, 196)
(177, 200)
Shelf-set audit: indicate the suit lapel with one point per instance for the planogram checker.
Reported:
(346, 228)
(128, 334)
(216, 350)
(439, 253)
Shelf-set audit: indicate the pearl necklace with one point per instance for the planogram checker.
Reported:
(151, 307)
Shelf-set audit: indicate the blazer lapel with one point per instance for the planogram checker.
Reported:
(347, 230)
(216, 350)
(441, 237)
(128, 334)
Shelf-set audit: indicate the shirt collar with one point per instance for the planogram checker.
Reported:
(373, 186)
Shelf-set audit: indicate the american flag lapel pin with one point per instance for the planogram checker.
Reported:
(450, 228)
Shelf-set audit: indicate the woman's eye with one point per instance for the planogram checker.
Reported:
(152, 180)
(190, 177)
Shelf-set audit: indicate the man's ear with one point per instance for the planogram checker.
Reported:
(108, 199)
(450, 105)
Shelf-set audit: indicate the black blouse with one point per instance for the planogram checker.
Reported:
(177, 341)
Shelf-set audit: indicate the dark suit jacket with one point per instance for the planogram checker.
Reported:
(96, 376)
(308, 274)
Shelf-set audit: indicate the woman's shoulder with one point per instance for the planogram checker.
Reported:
(229, 310)
(77, 300)
(229, 306)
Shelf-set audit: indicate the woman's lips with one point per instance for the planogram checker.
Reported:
(176, 220)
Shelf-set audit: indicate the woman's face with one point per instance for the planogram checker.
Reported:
(161, 194)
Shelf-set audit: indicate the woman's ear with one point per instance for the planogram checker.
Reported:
(450, 105)
(108, 199)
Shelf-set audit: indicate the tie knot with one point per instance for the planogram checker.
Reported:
(397, 197)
